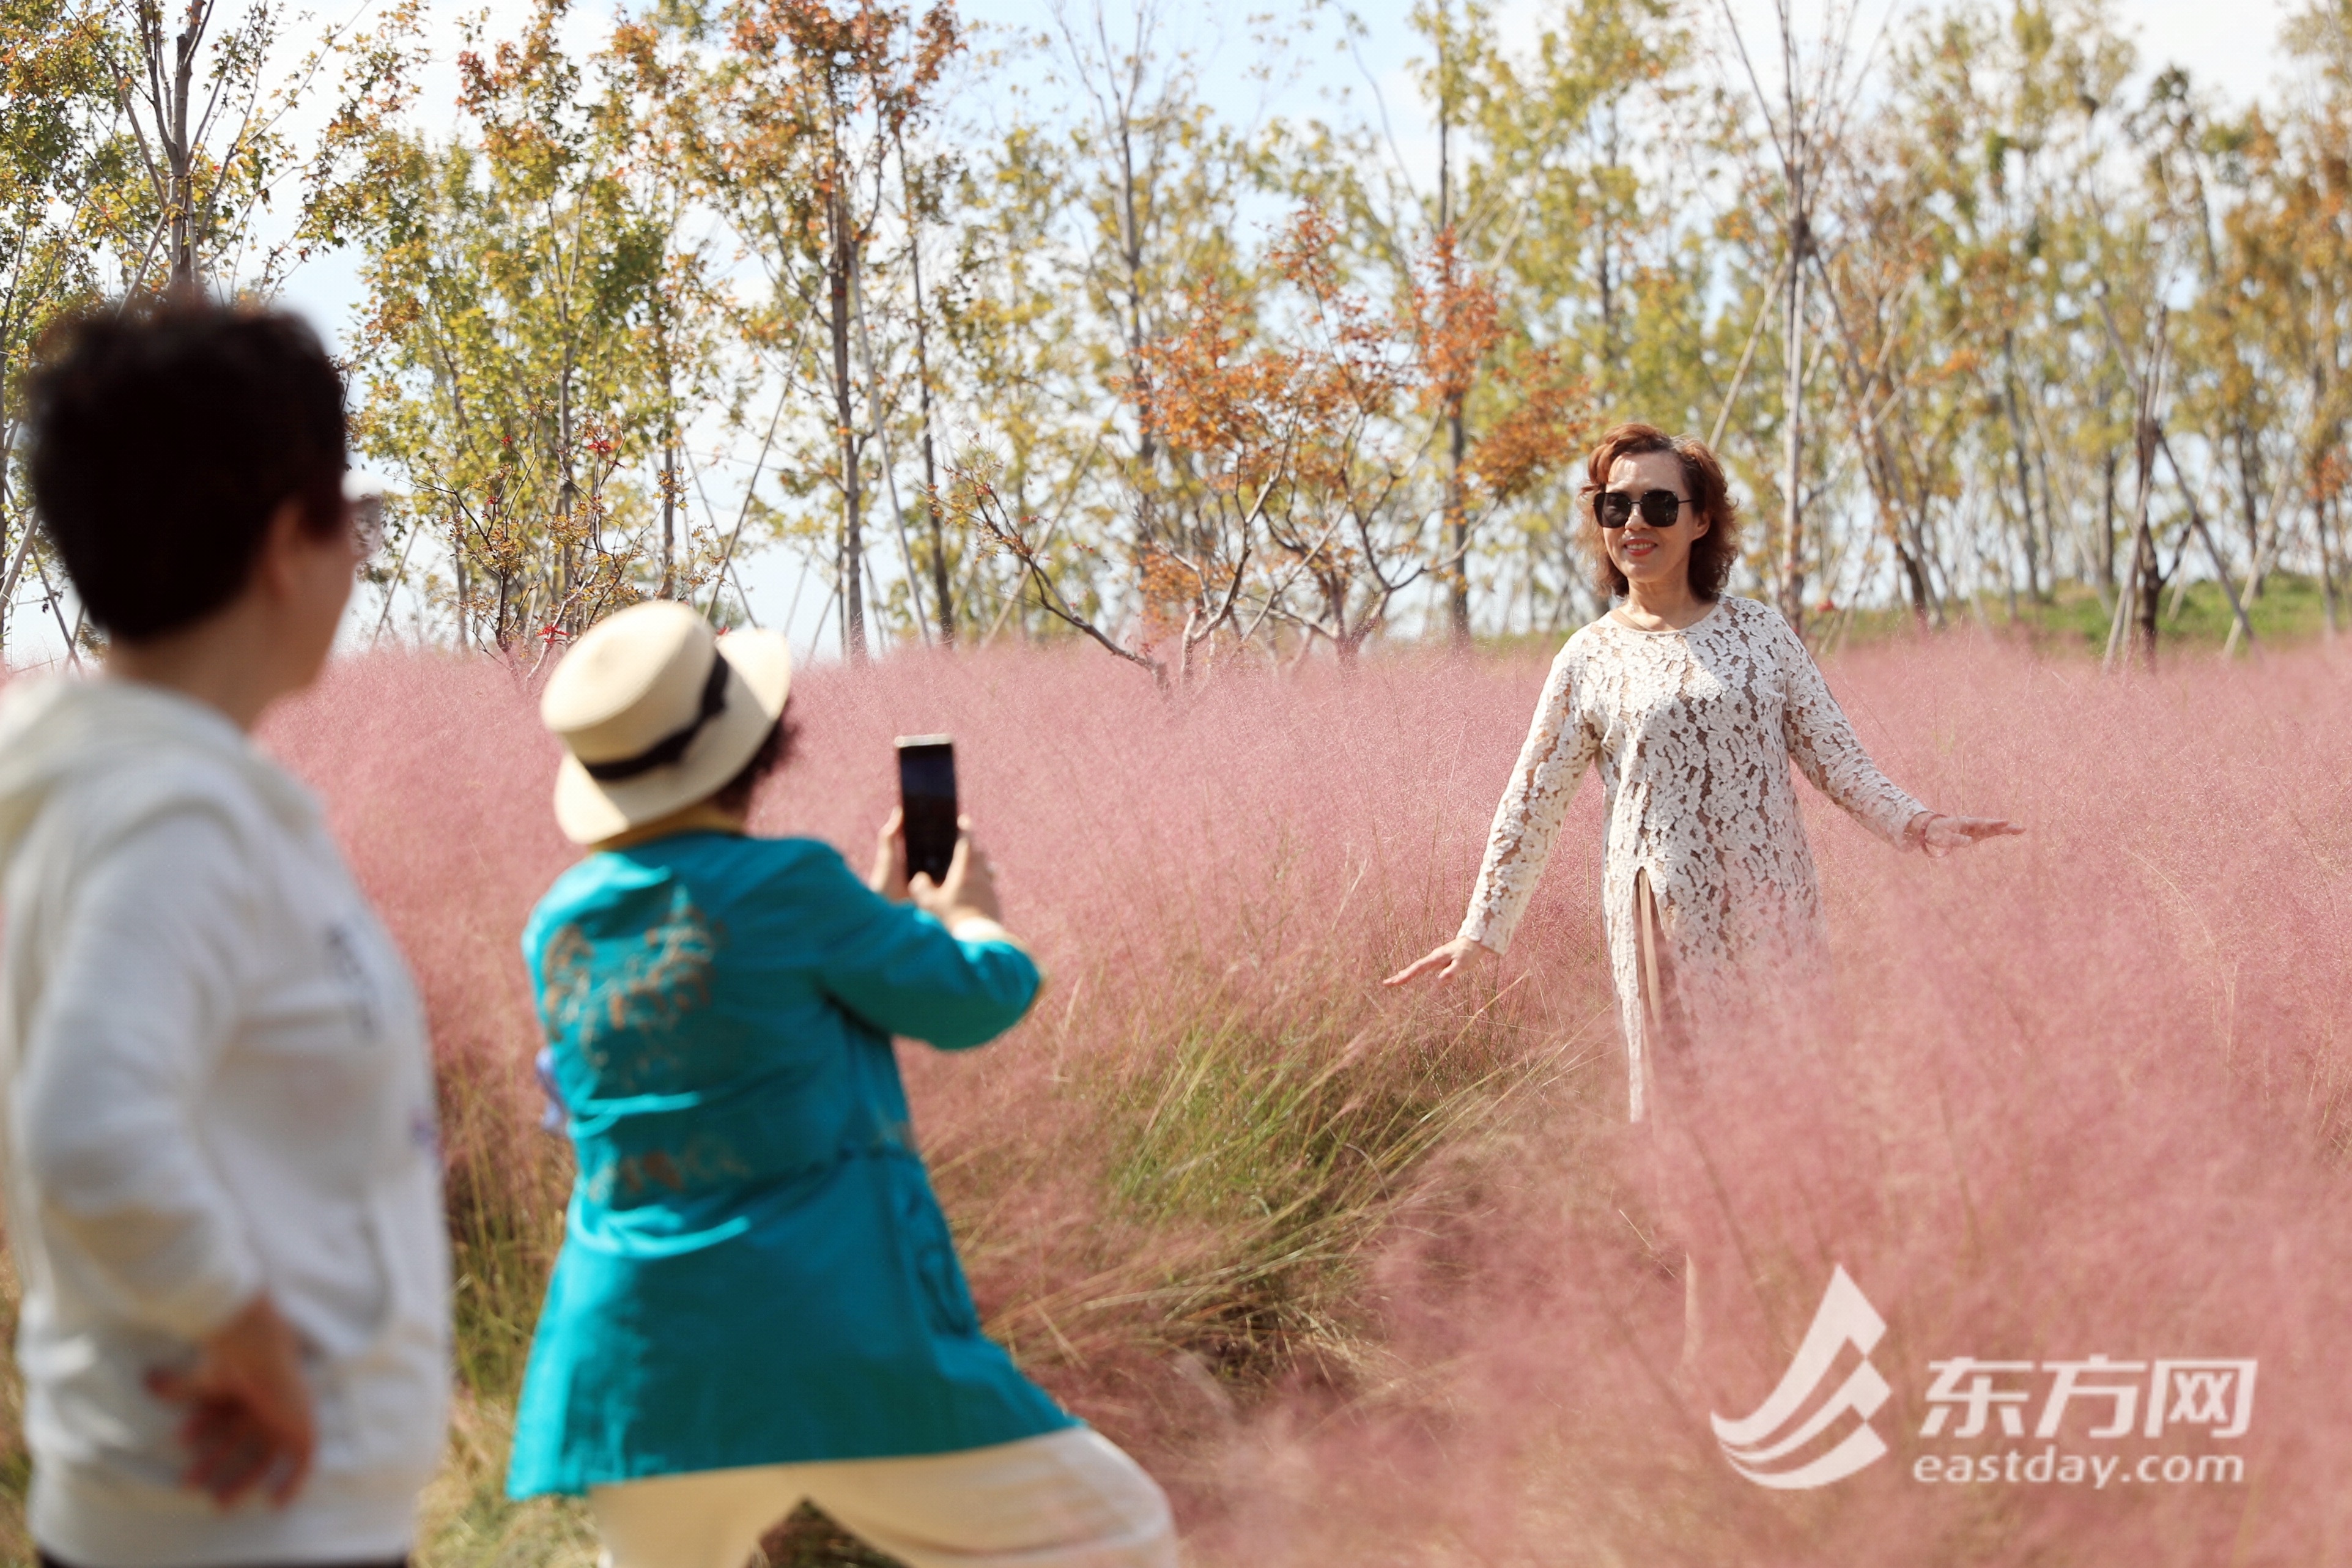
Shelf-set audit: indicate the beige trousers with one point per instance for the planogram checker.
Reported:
(1067, 1499)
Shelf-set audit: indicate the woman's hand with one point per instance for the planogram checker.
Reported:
(889, 875)
(969, 893)
(249, 1420)
(1937, 836)
(1463, 953)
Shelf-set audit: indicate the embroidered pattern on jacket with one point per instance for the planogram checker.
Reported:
(591, 997)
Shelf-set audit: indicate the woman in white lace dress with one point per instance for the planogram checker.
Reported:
(1694, 703)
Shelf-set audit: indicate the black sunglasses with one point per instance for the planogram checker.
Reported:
(1614, 508)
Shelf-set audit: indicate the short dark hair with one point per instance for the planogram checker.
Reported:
(165, 438)
(774, 752)
(1711, 553)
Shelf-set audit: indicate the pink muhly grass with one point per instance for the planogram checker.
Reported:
(1380, 1276)
(436, 775)
(2085, 1092)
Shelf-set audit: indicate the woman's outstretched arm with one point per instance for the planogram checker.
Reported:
(1560, 746)
(1822, 744)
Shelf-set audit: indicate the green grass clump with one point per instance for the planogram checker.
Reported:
(1287, 1149)
(1222, 1158)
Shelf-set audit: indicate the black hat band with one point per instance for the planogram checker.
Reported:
(668, 749)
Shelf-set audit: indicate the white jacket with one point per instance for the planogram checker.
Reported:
(216, 1082)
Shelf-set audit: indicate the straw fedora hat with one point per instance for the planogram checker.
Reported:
(657, 711)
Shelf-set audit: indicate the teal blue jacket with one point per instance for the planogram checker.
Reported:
(754, 1269)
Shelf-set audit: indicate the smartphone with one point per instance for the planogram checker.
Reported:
(927, 795)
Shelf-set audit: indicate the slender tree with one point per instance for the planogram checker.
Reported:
(817, 97)
(55, 90)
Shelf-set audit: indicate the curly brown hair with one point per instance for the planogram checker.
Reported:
(1711, 553)
(775, 752)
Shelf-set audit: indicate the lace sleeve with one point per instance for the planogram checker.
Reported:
(1825, 749)
(1560, 745)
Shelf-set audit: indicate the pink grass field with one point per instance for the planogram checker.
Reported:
(1363, 1275)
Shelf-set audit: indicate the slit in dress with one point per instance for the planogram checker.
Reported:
(1664, 1036)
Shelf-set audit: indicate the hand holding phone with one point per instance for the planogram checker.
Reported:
(968, 893)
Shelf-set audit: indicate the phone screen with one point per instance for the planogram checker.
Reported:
(927, 795)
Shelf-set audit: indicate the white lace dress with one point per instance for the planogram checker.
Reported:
(1694, 730)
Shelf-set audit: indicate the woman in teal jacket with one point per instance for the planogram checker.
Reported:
(757, 1300)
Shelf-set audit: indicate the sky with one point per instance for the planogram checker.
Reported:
(1359, 71)
(2231, 44)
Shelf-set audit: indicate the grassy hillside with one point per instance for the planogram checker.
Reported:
(2290, 613)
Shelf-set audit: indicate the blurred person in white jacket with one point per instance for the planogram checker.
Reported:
(222, 1178)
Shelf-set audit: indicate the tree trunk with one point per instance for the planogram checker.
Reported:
(2008, 576)
(2319, 516)
(2024, 473)
(1800, 237)
(2151, 586)
(1457, 525)
(1893, 507)
(568, 501)
(1130, 223)
(179, 157)
(2105, 560)
(853, 551)
(464, 584)
(1792, 540)
(669, 513)
(941, 596)
(15, 557)
(2250, 480)
(1608, 276)
(1458, 540)
(1914, 577)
